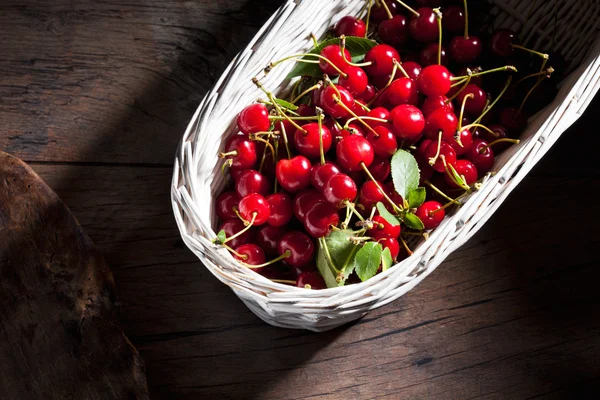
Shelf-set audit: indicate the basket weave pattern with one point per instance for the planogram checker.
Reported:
(566, 26)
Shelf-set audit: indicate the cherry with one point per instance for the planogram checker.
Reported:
(423, 146)
(475, 105)
(311, 280)
(368, 94)
(502, 41)
(316, 97)
(225, 204)
(467, 170)
(254, 118)
(379, 14)
(353, 151)
(301, 249)
(488, 137)
(333, 53)
(307, 140)
(294, 174)
(442, 119)
(358, 109)
(383, 229)
(453, 20)
(340, 189)
(250, 254)
(466, 139)
(304, 201)
(465, 50)
(424, 27)
(394, 31)
(353, 129)
(380, 168)
(392, 244)
(429, 55)
(392, 194)
(350, 26)
(412, 69)
(320, 174)
(482, 156)
(304, 110)
(254, 206)
(475, 80)
(320, 218)
(267, 237)
(384, 145)
(233, 226)
(370, 194)
(434, 80)
(252, 181)
(380, 113)
(281, 212)
(425, 168)
(408, 121)
(512, 119)
(382, 58)
(355, 81)
(429, 3)
(331, 106)
(446, 153)
(243, 152)
(430, 216)
(402, 91)
(434, 102)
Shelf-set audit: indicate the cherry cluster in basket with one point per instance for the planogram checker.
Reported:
(390, 122)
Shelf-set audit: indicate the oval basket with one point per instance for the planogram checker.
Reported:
(563, 26)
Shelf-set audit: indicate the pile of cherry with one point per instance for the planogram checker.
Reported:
(374, 146)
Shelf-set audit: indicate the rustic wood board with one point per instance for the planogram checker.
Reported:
(60, 336)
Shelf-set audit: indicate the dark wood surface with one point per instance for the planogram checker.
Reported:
(95, 96)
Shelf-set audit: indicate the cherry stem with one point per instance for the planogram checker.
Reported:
(349, 62)
(285, 254)
(389, 82)
(262, 160)
(489, 71)
(300, 58)
(408, 251)
(314, 39)
(266, 142)
(403, 4)
(287, 282)
(320, 123)
(401, 68)
(328, 255)
(538, 83)
(438, 16)
(465, 83)
(248, 226)
(271, 104)
(366, 118)
(385, 196)
(502, 140)
(368, 17)
(438, 191)
(547, 71)
(433, 159)
(482, 127)
(285, 141)
(537, 53)
(462, 108)
(280, 118)
(452, 174)
(387, 9)
(466, 35)
(296, 86)
(362, 105)
(232, 153)
(272, 98)
(352, 208)
(242, 256)
(339, 102)
(352, 252)
(487, 109)
(307, 91)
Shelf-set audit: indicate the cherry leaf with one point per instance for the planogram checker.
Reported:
(221, 236)
(416, 197)
(388, 216)
(286, 104)
(405, 173)
(334, 251)
(386, 259)
(414, 222)
(367, 260)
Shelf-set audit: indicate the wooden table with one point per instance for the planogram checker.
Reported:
(95, 96)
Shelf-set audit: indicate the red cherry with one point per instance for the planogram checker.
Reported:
(380, 168)
(424, 27)
(392, 244)
(330, 105)
(333, 53)
(350, 26)
(320, 174)
(311, 280)
(300, 246)
(434, 80)
(251, 181)
(307, 141)
(513, 120)
(402, 91)
(382, 58)
(502, 41)
(467, 170)
(429, 214)
(482, 156)
(358, 109)
(383, 229)
(355, 81)
(466, 139)
(251, 254)
(465, 50)
(475, 105)
(340, 189)
(245, 157)
(305, 110)
(225, 204)
(254, 118)
(429, 55)
(233, 226)
(488, 137)
(380, 113)
(268, 236)
(353, 151)
(379, 13)
(304, 201)
(280, 205)
(453, 20)
(446, 153)
(392, 194)
(254, 206)
(442, 120)
(384, 145)
(367, 95)
(320, 218)
(408, 121)
(434, 102)
(394, 31)
(294, 174)
(370, 194)
(413, 69)
(423, 146)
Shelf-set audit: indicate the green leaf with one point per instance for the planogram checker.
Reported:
(386, 259)
(385, 214)
(414, 222)
(286, 104)
(367, 260)
(459, 179)
(357, 47)
(341, 250)
(416, 197)
(405, 173)
(221, 236)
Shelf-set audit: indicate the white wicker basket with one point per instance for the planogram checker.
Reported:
(197, 179)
